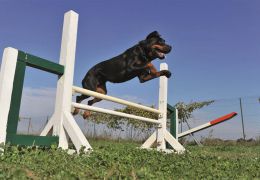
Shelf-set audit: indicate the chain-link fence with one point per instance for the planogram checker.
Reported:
(245, 125)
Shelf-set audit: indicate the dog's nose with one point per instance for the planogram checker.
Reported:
(170, 48)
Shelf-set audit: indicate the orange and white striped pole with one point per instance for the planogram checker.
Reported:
(209, 124)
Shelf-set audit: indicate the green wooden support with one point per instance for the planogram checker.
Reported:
(173, 120)
(13, 115)
(24, 60)
(40, 63)
(172, 116)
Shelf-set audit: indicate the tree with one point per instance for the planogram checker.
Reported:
(185, 110)
(117, 122)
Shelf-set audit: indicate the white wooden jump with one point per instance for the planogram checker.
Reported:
(161, 135)
(62, 123)
(62, 119)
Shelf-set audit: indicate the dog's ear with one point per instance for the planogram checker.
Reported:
(153, 34)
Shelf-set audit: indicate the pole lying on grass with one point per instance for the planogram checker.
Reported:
(209, 124)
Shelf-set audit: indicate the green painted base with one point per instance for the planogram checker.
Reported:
(30, 140)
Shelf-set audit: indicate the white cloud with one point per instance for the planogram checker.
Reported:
(37, 102)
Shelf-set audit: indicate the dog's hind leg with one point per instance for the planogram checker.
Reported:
(89, 83)
(79, 99)
(100, 89)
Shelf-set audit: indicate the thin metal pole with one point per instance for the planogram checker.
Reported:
(29, 125)
(181, 126)
(94, 133)
(131, 132)
(192, 135)
(46, 120)
(242, 118)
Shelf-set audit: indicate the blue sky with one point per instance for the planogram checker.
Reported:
(216, 44)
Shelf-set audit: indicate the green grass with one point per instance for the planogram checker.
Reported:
(111, 160)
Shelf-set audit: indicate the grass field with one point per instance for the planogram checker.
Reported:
(112, 160)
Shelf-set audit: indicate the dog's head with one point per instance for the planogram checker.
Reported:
(155, 47)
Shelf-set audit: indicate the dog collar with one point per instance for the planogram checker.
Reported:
(143, 54)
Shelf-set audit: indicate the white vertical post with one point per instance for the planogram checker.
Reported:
(163, 85)
(6, 87)
(64, 88)
(161, 136)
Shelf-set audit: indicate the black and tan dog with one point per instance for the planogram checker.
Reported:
(134, 62)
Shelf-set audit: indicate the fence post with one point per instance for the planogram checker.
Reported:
(242, 118)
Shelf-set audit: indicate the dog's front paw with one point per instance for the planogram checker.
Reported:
(166, 73)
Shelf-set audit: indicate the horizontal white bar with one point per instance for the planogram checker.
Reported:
(107, 111)
(113, 99)
(198, 128)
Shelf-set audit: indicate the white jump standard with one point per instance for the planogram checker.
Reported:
(62, 121)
